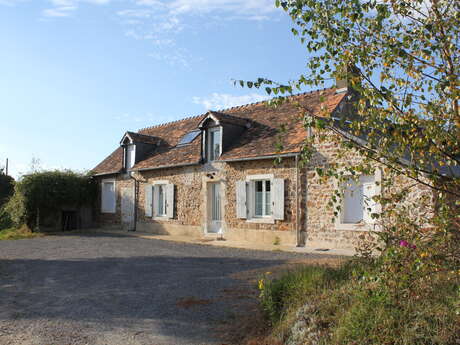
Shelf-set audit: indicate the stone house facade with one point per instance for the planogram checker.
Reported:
(215, 175)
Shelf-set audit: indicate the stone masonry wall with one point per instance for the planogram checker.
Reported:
(320, 228)
(111, 219)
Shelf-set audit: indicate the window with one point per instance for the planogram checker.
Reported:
(214, 147)
(130, 156)
(159, 200)
(357, 203)
(188, 138)
(262, 196)
(108, 199)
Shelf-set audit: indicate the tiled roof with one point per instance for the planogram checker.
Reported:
(141, 138)
(258, 140)
(226, 118)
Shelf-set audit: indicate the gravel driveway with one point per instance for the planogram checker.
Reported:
(109, 289)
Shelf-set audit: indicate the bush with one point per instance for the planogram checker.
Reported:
(5, 219)
(6, 187)
(47, 192)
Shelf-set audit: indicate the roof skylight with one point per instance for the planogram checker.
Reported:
(188, 138)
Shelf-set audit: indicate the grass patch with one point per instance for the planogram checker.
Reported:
(18, 233)
(337, 306)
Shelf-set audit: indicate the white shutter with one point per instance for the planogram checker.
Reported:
(241, 207)
(278, 198)
(170, 200)
(148, 200)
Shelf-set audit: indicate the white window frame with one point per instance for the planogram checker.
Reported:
(155, 213)
(362, 225)
(209, 147)
(113, 209)
(250, 195)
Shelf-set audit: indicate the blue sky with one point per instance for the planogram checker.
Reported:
(76, 74)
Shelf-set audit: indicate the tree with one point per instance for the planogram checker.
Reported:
(402, 62)
(6, 187)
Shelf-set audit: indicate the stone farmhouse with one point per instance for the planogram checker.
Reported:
(214, 175)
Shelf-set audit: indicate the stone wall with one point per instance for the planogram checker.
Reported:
(112, 219)
(190, 206)
(320, 227)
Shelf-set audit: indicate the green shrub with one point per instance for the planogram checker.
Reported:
(46, 192)
(5, 219)
(6, 187)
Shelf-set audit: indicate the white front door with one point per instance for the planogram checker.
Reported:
(127, 208)
(214, 208)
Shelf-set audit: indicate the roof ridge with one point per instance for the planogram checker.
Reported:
(232, 108)
(167, 123)
(288, 97)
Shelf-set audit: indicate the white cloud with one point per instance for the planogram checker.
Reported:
(249, 7)
(217, 101)
(62, 11)
(64, 8)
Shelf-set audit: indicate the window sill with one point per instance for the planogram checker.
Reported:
(108, 212)
(356, 227)
(267, 220)
(160, 218)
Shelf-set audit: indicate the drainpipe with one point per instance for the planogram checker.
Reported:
(136, 184)
(297, 222)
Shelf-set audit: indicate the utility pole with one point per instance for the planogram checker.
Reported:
(6, 167)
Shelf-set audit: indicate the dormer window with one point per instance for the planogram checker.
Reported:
(214, 148)
(130, 156)
(136, 146)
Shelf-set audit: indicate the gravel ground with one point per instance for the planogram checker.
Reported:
(109, 289)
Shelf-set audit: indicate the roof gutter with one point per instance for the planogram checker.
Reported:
(282, 155)
(107, 173)
(167, 166)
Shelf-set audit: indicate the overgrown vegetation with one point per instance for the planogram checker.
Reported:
(349, 305)
(6, 191)
(17, 233)
(6, 187)
(41, 194)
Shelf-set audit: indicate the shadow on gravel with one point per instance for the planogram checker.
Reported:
(124, 291)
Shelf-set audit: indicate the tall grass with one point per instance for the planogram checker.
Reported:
(345, 308)
(18, 233)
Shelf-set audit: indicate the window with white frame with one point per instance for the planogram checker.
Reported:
(260, 198)
(130, 156)
(159, 200)
(108, 196)
(358, 203)
(214, 143)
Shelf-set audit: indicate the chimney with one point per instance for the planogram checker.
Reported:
(343, 84)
